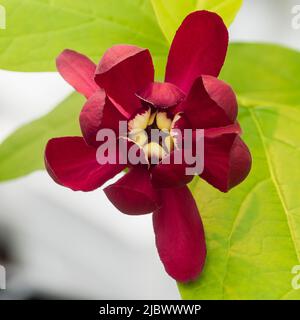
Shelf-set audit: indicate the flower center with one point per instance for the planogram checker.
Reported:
(151, 130)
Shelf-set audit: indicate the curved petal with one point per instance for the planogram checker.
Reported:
(210, 103)
(179, 234)
(199, 47)
(72, 163)
(215, 132)
(122, 71)
(240, 163)
(169, 174)
(133, 194)
(78, 71)
(227, 161)
(99, 113)
(161, 95)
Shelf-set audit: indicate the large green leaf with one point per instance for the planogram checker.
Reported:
(170, 13)
(227, 9)
(38, 30)
(253, 232)
(23, 151)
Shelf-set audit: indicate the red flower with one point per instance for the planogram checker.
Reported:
(122, 87)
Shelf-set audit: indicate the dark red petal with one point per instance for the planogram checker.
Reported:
(170, 174)
(98, 113)
(78, 71)
(133, 194)
(72, 163)
(161, 95)
(240, 163)
(210, 103)
(227, 161)
(199, 47)
(215, 132)
(122, 71)
(179, 234)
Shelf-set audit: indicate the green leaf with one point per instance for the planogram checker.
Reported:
(170, 13)
(253, 232)
(227, 9)
(23, 151)
(38, 30)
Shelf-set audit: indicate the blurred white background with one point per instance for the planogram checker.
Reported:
(77, 244)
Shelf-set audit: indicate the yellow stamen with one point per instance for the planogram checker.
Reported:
(139, 136)
(154, 150)
(162, 121)
(140, 121)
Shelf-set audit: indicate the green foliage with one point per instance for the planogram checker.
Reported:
(38, 30)
(227, 9)
(23, 151)
(170, 13)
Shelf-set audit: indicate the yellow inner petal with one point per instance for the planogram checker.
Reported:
(154, 150)
(139, 136)
(144, 120)
(162, 121)
(140, 121)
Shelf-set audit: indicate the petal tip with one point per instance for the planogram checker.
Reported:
(145, 205)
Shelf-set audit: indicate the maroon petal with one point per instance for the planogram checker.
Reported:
(78, 71)
(179, 234)
(210, 103)
(169, 174)
(161, 95)
(199, 47)
(215, 132)
(99, 113)
(72, 163)
(227, 161)
(122, 71)
(133, 194)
